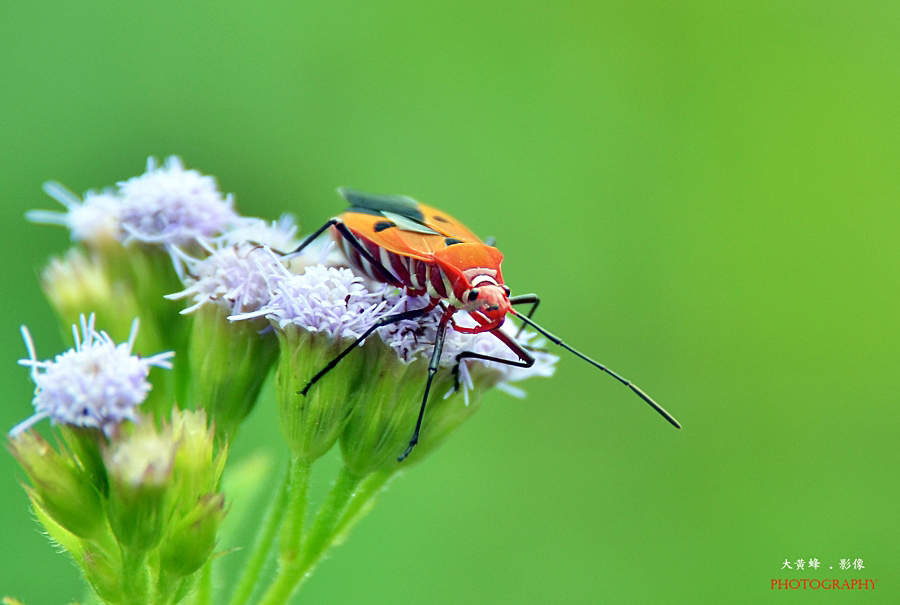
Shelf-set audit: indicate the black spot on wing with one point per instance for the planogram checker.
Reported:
(382, 225)
(367, 203)
(452, 240)
(440, 218)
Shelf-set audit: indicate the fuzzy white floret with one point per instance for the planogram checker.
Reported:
(96, 384)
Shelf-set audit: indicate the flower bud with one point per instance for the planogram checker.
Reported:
(103, 571)
(192, 539)
(148, 271)
(229, 364)
(386, 407)
(85, 447)
(197, 468)
(58, 486)
(79, 283)
(140, 468)
(311, 423)
(98, 558)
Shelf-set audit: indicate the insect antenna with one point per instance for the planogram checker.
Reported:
(626, 382)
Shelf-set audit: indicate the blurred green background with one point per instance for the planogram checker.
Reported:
(704, 194)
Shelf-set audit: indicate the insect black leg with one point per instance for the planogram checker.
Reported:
(524, 299)
(338, 224)
(384, 321)
(309, 238)
(526, 359)
(432, 370)
(306, 241)
(376, 264)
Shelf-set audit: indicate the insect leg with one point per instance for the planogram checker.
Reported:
(384, 321)
(306, 241)
(376, 264)
(312, 236)
(432, 370)
(526, 359)
(524, 299)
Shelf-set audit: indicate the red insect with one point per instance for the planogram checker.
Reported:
(396, 240)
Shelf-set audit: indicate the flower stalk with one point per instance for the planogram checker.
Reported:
(298, 500)
(263, 543)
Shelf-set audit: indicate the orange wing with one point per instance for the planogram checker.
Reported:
(402, 225)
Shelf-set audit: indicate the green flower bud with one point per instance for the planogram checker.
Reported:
(80, 283)
(98, 559)
(229, 363)
(149, 271)
(56, 532)
(386, 407)
(102, 569)
(139, 466)
(444, 415)
(312, 423)
(197, 469)
(84, 443)
(59, 486)
(192, 539)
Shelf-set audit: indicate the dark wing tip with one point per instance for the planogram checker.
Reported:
(396, 204)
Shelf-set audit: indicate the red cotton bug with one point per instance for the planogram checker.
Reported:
(396, 240)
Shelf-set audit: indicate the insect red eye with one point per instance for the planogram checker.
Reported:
(473, 295)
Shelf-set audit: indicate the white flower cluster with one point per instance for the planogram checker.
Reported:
(172, 206)
(323, 299)
(97, 217)
(97, 384)
(166, 205)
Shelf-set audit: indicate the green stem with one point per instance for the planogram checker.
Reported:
(166, 587)
(203, 595)
(329, 516)
(292, 530)
(135, 578)
(262, 545)
(174, 590)
(90, 598)
(362, 502)
(317, 541)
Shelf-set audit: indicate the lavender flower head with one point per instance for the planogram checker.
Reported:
(94, 219)
(97, 384)
(167, 205)
(234, 274)
(278, 235)
(329, 300)
(171, 206)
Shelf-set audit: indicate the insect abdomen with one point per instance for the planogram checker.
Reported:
(406, 272)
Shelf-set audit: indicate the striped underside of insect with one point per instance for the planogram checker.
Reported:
(396, 240)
